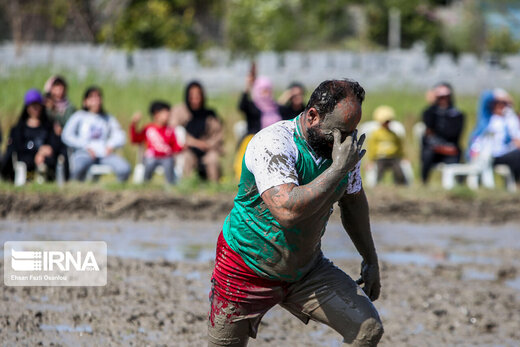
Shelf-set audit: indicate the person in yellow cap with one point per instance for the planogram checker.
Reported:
(385, 147)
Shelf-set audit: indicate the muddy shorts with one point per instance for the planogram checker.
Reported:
(239, 299)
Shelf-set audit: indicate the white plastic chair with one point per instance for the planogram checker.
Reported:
(94, 171)
(480, 167)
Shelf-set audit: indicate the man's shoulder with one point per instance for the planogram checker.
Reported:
(276, 139)
(278, 131)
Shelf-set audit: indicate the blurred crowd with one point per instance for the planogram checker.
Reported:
(53, 139)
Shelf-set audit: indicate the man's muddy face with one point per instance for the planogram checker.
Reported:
(345, 117)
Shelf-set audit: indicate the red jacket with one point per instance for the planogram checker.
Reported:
(160, 141)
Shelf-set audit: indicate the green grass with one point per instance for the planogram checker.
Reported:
(123, 99)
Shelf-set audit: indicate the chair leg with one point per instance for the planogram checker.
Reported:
(371, 176)
(448, 177)
(138, 174)
(510, 183)
(406, 166)
(20, 174)
(488, 178)
(472, 181)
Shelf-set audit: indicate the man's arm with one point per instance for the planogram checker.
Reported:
(355, 219)
(291, 204)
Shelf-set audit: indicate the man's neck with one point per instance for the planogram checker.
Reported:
(303, 125)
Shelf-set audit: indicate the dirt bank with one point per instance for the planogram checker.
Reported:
(385, 204)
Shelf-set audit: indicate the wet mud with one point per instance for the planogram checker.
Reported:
(442, 285)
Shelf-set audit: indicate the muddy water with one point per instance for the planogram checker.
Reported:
(194, 241)
(457, 284)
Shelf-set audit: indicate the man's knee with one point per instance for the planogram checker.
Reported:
(369, 333)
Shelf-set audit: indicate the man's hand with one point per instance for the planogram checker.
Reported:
(346, 154)
(370, 277)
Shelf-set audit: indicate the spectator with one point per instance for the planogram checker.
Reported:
(292, 101)
(260, 108)
(204, 135)
(33, 140)
(444, 123)
(498, 119)
(161, 143)
(385, 147)
(94, 135)
(57, 104)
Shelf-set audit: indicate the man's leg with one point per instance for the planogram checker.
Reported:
(222, 330)
(239, 298)
(330, 296)
(119, 165)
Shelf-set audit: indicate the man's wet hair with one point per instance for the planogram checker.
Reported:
(329, 93)
(157, 106)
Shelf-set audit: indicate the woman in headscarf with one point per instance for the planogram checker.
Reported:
(499, 128)
(204, 135)
(32, 140)
(260, 109)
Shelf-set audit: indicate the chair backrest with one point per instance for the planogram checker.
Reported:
(240, 129)
(483, 155)
(180, 135)
(369, 127)
(418, 131)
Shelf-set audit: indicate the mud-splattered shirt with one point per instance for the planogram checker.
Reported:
(278, 154)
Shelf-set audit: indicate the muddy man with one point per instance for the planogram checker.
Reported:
(269, 251)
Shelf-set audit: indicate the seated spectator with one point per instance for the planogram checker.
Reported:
(498, 120)
(204, 135)
(292, 101)
(32, 140)
(385, 147)
(59, 109)
(161, 143)
(94, 135)
(444, 124)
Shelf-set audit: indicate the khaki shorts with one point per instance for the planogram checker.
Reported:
(326, 294)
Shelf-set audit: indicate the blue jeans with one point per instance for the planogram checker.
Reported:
(82, 161)
(168, 164)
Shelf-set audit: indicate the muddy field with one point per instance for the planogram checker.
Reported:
(442, 285)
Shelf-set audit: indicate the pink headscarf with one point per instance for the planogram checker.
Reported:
(265, 102)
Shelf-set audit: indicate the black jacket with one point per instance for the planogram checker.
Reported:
(446, 124)
(26, 147)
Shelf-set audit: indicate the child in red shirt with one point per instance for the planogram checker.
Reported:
(160, 140)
